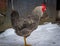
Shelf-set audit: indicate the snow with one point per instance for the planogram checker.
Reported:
(44, 35)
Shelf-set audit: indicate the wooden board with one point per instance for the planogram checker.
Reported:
(3, 6)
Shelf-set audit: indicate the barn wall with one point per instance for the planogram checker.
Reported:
(51, 9)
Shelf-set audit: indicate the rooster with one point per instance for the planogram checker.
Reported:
(24, 26)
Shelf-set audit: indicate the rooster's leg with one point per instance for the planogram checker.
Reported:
(25, 44)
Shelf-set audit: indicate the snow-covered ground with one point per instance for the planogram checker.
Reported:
(44, 35)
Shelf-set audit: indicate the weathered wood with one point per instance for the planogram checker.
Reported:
(3, 6)
(5, 22)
